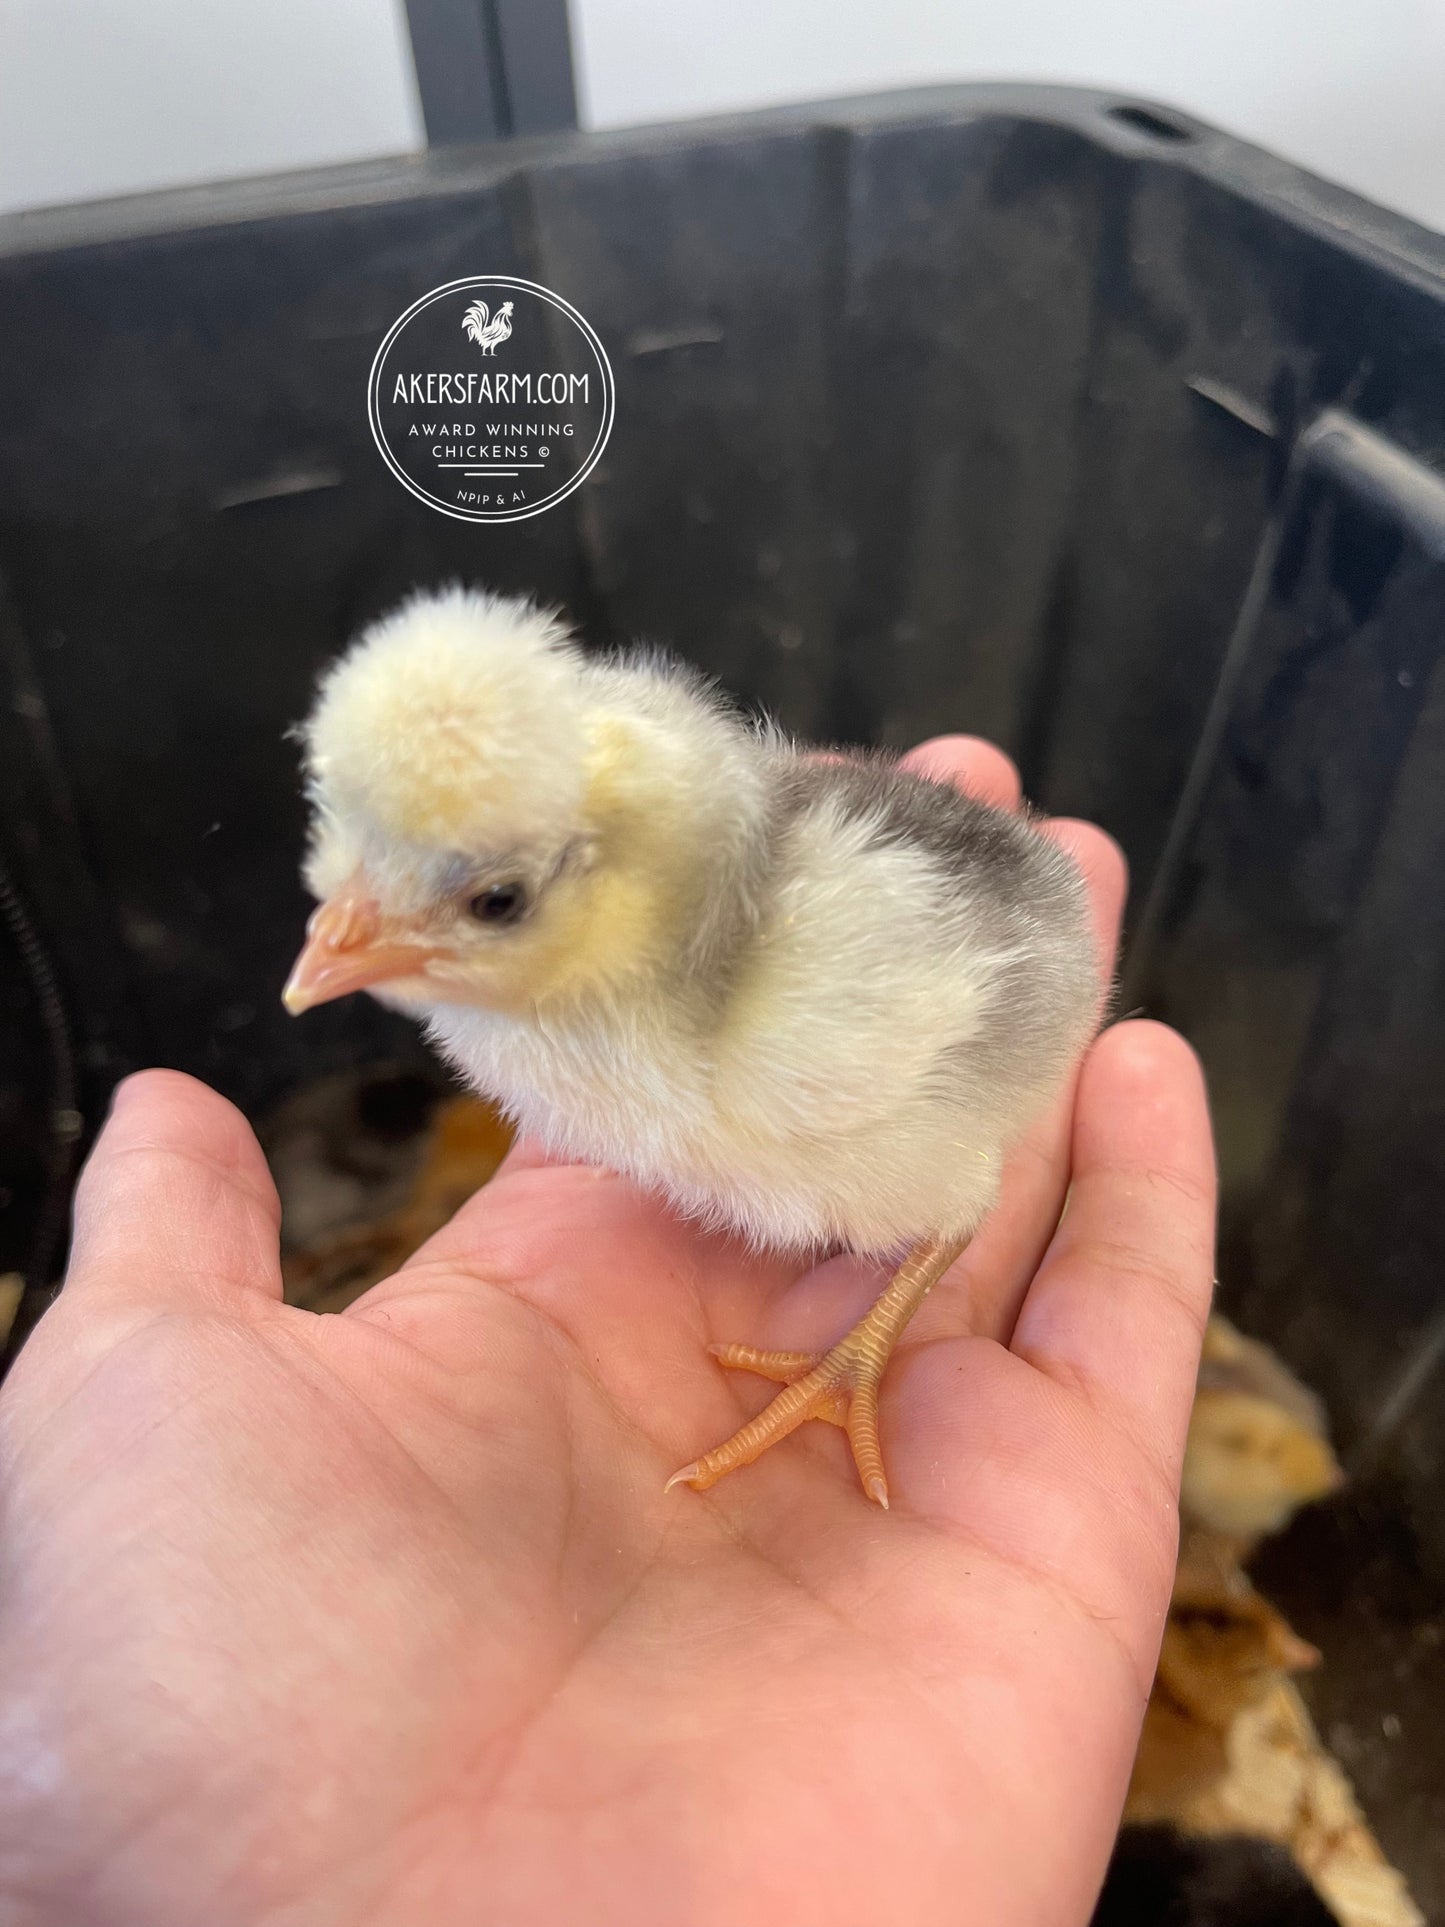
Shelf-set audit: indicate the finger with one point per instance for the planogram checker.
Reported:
(978, 768)
(1120, 1302)
(175, 1204)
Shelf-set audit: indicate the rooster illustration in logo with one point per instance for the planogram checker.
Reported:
(488, 331)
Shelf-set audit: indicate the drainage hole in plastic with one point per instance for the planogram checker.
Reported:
(1144, 120)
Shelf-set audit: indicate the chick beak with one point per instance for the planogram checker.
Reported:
(350, 946)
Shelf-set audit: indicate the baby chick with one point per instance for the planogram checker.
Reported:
(1257, 1449)
(810, 999)
(1224, 1649)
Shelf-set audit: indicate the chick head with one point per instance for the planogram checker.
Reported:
(450, 768)
(1223, 1649)
(1251, 1464)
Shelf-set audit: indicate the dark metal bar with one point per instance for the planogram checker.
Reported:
(536, 64)
(490, 68)
(454, 71)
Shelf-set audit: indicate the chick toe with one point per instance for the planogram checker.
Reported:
(784, 1368)
(840, 1386)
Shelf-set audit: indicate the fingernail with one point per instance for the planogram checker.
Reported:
(121, 1092)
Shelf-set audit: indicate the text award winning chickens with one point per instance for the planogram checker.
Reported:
(491, 398)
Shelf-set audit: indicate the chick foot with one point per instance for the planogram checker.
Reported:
(839, 1386)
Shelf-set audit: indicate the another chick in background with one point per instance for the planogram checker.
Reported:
(1258, 1445)
(1224, 1649)
(464, 1144)
(812, 1000)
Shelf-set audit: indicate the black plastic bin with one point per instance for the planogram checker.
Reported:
(1031, 412)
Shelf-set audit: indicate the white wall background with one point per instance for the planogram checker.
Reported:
(110, 96)
(1354, 89)
(107, 96)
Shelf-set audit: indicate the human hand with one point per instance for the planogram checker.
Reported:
(384, 1617)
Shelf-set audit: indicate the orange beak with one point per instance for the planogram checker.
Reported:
(350, 946)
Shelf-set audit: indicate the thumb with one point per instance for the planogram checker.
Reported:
(175, 1206)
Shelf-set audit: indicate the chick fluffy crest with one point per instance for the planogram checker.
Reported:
(456, 722)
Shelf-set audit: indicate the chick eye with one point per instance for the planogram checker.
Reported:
(501, 904)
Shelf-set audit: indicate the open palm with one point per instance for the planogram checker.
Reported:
(385, 1618)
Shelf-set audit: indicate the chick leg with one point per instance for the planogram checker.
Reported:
(840, 1386)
